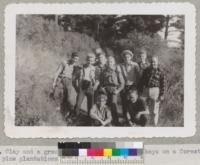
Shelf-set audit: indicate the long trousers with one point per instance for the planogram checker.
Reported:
(141, 121)
(68, 100)
(82, 93)
(150, 96)
(124, 100)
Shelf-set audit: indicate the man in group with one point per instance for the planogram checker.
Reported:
(136, 109)
(84, 83)
(131, 75)
(66, 72)
(112, 82)
(152, 86)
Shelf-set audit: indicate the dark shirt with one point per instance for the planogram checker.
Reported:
(98, 70)
(152, 78)
(112, 77)
(143, 66)
(135, 108)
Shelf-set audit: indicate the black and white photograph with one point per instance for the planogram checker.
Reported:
(100, 71)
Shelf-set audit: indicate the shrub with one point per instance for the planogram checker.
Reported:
(41, 46)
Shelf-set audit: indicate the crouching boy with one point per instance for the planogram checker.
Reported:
(100, 113)
(136, 109)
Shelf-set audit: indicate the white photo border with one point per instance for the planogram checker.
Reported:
(186, 9)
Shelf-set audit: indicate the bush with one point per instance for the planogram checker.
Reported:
(171, 61)
(42, 45)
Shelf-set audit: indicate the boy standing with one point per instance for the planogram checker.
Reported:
(112, 82)
(66, 72)
(152, 87)
(136, 109)
(100, 66)
(85, 82)
(131, 74)
(100, 112)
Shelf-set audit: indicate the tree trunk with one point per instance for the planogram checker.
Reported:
(56, 18)
(167, 26)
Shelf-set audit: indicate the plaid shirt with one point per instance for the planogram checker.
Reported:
(98, 71)
(153, 78)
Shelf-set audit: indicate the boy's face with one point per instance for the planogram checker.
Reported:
(102, 58)
(127, 57)
(133, 96)
(111, 61)
(143, 55)
(91, 60)
(101, 101)
(154, 62)
(75, 59)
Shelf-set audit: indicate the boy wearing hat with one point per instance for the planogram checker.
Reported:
(66, 72)
(131, 75)
(112, 82)
(100, 112)
(85, 82)
(152, 88)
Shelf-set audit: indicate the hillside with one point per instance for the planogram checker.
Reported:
(42, 45)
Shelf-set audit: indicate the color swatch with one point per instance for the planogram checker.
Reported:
(100, 149)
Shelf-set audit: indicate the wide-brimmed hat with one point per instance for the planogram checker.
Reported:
(127, 52)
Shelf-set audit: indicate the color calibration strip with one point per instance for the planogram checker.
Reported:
(101, 149)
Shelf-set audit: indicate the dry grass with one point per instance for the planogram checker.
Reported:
(42, 45)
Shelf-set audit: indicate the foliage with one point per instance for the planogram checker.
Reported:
(105, 28)
(42, 44)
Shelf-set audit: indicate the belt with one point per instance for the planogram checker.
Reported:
(62, 76)
(154, 86)
(110, 85)
(87, 81)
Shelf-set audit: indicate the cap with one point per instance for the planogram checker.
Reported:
(127, 52)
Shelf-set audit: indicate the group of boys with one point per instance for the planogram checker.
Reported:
(102, 81)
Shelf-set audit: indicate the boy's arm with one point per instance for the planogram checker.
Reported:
(138, 75)
(94, 115)
(97, 76)
(141, 81)
(59, 71)
(109, 119)
(145, 109)
(146, 112)
(77, 77)
(129, 118)
(121, 80)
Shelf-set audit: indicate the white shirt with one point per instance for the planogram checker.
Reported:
(67, 69)
(89, 73)
(130, 73)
